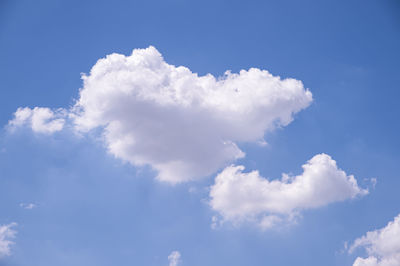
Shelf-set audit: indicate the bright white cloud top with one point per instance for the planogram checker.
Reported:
(248, 197)
(6, 236)
(174, 258)
(184, 125)
(382, 246)
(39, 119)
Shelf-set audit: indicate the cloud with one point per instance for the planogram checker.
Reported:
(184, 125)
(174, 258)
(248, 197)
(39, 119)
(27, 206)
(6, 234)
(382, 246)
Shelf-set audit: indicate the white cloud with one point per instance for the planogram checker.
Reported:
(39, 119)
(6, 234)
(174, 258)
(240, 197)
(27, 206)
(184, 125)
(382, 246)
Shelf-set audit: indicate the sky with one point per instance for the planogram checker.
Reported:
(189, 133)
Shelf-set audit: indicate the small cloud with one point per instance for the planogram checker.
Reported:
(174, 258)
(6, 234)
(344, 249)
(370, 182)
(39, 119)
(27, 206)
(382, 246)
(262, 143)
(239, 197)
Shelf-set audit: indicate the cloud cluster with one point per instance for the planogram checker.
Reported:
(188, 126)
(184, 125)
(39, 119)
(382, 246)
(174, 258)
(240, 197)
(6, 234)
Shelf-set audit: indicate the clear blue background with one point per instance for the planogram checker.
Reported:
(95, 210)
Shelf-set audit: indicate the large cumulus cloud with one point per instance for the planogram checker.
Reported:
(184, 125)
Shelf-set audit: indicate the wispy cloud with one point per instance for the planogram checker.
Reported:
(7, 233)
(28, 206)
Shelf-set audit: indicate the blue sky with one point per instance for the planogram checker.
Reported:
(93, 207)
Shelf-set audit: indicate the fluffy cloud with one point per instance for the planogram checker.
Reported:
(184, 125)
(239, 196)
(40, 119)
(174, 258)
(382, 246)
(6, 234)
